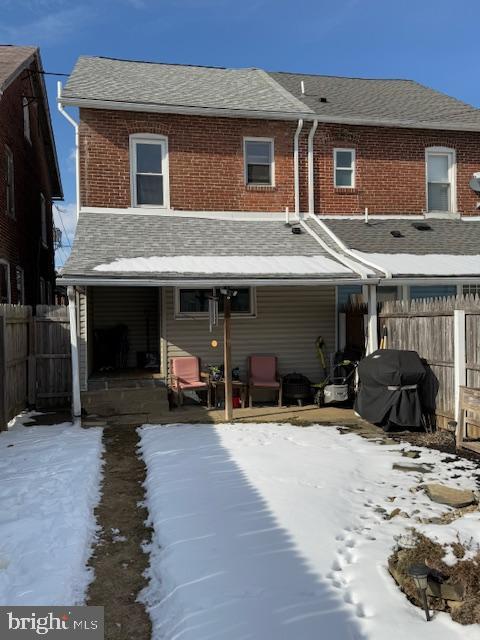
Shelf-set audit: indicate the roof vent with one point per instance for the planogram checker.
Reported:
(421, 226)
(322, 100)
(397, 234)
(296, 229)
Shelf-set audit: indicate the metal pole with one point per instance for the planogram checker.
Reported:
(227, 358)
(76, 402)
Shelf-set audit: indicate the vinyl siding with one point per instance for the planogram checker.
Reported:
(131, 306)
(287, 323)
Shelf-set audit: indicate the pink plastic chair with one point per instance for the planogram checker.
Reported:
(186, 375)
(263, 374)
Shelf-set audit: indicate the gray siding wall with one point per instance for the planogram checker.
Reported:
(289, 319)
(131, 306)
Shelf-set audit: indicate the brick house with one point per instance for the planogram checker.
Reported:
(29, 180)
(298, 191)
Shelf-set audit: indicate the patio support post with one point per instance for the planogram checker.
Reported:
(227, 358)
(460, 369)
(372, 342)
(72, 310)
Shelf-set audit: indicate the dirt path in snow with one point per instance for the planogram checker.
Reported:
(118, 559)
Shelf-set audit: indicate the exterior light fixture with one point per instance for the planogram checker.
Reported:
(419, 574)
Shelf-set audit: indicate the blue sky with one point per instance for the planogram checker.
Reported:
(432, 41)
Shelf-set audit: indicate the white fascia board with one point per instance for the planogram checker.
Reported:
(248, 282)
(184, 110)
(258, 216)
(269, 115)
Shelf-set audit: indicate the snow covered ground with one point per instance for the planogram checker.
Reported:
(276, 532)
(49, 486)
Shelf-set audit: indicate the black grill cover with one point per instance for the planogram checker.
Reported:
(384, 397)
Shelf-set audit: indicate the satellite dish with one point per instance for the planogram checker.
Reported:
(475, 184)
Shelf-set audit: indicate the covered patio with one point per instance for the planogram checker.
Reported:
(148, 278)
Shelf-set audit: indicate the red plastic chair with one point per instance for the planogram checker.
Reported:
(186, 375)
(263, 374)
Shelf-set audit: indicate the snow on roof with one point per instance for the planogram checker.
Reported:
(433, 264)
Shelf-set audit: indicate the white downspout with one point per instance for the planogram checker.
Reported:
(77, 155)
(311, 176)
(296, 167)
(72, 310)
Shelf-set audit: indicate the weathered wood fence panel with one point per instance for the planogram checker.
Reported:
(427, 326)
(52, 357)
(34, 359)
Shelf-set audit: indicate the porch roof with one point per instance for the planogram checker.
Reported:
(176, 247)
(413, 246)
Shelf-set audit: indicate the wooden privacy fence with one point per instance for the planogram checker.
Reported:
(34, 359)
(446, 333)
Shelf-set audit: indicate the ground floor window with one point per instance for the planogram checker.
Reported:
(471, 289)
(20, 277)
(194, 302)
(442, 291)
(4, 282)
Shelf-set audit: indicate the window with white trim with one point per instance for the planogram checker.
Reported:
(440, 171)
(43, 291)
(43, 220)
(471, 290)
(259, 161)
(194, 302)
(344, 168)
(26, 119)
(20, 281)
(149, 170)
(10, 181)
(4, 282)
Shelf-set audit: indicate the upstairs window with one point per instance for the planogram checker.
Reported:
(259, 161)
(149, 170)
(10, 182)
(4, 282)
(43, 220)
(26, 119)
(344, 168)
(440, 172)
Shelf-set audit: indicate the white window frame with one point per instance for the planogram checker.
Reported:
(452, 174)
(201, 315)
(20, 281)
(9, 282)
(352, 169)
(149, 138)
(10, 185)
(272, 162)
(43, 221)
(26, 119)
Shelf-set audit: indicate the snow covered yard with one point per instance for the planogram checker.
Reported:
(49, 486)
(277, 532)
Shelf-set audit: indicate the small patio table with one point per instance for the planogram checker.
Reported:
(236, 384)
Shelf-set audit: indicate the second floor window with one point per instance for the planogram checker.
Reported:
(10, 180)
(344, 168)
(149, 171)
(43, 220)
(259, 161)
(440, 179)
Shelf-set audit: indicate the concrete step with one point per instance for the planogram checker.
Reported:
(115, 402)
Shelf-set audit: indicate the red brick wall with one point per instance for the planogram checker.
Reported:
(206, 165)
(207, 172)
(20, 239)
(390, 168)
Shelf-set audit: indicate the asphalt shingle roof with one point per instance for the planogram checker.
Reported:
(11, 58)
(103, 238)
(106, 79)
(400, 102)
(452, 237)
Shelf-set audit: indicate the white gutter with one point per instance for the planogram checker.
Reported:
(348, 251)
(77, 155)
(311, 176)
(354, 266)
(296, 167)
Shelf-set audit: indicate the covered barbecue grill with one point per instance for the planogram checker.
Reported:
(390, 389)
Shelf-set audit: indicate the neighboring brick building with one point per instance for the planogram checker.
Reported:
(29, 180)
